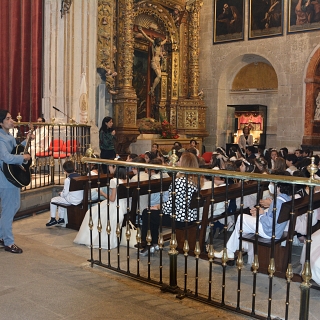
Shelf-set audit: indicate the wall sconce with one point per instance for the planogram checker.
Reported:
(65, 7)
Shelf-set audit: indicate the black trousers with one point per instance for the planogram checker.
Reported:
(155, 223)
(107, 154)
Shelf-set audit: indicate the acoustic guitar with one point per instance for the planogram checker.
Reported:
(19, 175)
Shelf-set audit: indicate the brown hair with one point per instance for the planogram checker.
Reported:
(279, 165)
(189, 160)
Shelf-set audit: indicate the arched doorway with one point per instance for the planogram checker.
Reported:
(311, 138)
(250, 79)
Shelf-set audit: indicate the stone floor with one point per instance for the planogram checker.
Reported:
(52, 279)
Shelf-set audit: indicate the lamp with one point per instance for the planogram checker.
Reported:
(65, 7)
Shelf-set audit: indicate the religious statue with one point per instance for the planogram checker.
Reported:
(176, 15)
(157, 55)
(110, 81)
(201, 94)
(317, 112)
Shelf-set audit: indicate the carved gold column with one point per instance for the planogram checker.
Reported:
(183, 49)
(125, 102)
(191, 111)
(194, 30)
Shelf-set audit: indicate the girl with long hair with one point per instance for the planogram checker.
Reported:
(184, 187)
(107, 141)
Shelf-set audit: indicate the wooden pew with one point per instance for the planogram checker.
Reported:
(220, 194)
(281, 253)
(143, 189)
(76, 213)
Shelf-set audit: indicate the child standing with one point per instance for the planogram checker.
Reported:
(66, 197)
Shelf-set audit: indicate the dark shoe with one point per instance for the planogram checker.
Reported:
(1, 243)
(52, 222)
(13, 249)
(60, 221)
(144, 252)
(141, 245)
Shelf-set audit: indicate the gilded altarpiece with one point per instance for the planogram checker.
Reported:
(121, 47)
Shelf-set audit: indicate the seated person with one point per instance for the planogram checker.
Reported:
(148, 156)
(66, 197)
(250, 152)
(94, 191)
(109, 209)
(265, 224)
(155, 151)
(130, 158)
(182, 211)
(155, 174)
(139, 173)
(291, 160)
(193, 145)
(314, 256)
(41, 141)
(177, 146)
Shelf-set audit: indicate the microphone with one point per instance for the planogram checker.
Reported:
(55, 108)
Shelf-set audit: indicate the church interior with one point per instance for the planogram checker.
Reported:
(205, 68)
(165, 71)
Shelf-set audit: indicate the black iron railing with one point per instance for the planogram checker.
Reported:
(185, 263)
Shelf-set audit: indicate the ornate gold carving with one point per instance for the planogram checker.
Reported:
(183, 83)
(164, 85)
(194, 28)
(125, 43)
(162, 18)
(105, 39)
(175, 75)
(191, 115)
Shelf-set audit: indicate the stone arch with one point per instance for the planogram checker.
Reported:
(226, 95)
(255, 76)
(311, 136)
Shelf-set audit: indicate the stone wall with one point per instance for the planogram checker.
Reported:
(288, 54)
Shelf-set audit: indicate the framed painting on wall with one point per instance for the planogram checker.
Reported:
(303, 15)
(228, 20)
(265, 18)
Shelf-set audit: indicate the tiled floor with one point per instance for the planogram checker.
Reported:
(52, 279)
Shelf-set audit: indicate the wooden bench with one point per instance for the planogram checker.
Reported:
(76, 213)
(281, 253)
(143, 189)
(220, 194)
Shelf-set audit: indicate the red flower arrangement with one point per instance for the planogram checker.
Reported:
(168, 131)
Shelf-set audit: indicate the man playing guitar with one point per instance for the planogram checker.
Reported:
(9, 194)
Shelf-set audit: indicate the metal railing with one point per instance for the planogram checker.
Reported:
(53, 144)
(198, 275)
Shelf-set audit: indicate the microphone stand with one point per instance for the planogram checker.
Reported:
(71, 119)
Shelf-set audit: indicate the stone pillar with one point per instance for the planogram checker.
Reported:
(125, 102)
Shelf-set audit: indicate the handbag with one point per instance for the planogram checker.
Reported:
(133, 231)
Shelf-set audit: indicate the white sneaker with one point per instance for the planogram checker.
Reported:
(219, 255)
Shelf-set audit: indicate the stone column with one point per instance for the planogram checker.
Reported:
(125, 102)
